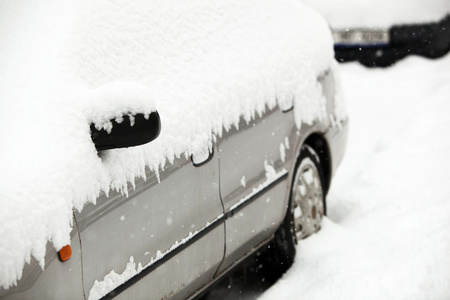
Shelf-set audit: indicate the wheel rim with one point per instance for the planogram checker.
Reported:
(307, 205)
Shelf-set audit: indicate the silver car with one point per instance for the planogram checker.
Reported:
(192, 225)
(262, 185)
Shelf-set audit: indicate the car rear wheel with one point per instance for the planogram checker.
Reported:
(307, 197)
(305, 212)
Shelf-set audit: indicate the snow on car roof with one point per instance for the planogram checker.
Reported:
(202, 64)
(379, 13)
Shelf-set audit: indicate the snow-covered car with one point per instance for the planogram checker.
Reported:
(380, 33)
(165, 143)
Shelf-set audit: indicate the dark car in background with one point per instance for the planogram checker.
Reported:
(381, 32)
(383, 47)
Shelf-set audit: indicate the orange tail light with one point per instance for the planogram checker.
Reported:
(65, 253)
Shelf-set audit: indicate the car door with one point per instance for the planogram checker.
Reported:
(254, 164)
(163, 240)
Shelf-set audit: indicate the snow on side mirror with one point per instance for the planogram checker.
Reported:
(128, 132)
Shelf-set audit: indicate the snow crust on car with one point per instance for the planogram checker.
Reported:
(379, 13)
(202, 64)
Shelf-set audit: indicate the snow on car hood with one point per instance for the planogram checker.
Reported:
(379, 13)
(202, 64)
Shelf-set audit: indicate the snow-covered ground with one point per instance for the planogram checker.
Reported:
(387, 235)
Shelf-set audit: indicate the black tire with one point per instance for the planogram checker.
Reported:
(280, 253)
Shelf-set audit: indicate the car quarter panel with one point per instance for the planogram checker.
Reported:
(254, 164)
(158, 217)
(336, 138)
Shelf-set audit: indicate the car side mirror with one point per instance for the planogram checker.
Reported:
(127, 134)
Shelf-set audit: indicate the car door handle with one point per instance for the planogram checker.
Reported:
(200, 159)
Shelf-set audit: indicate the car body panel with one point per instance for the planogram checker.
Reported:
(336, 138)
(156, 217)
(195, 265)
(253, 224)
(245, 179)
(242, 164)
(60, 280)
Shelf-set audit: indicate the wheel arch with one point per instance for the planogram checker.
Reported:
(281, 251)
(321, 147)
